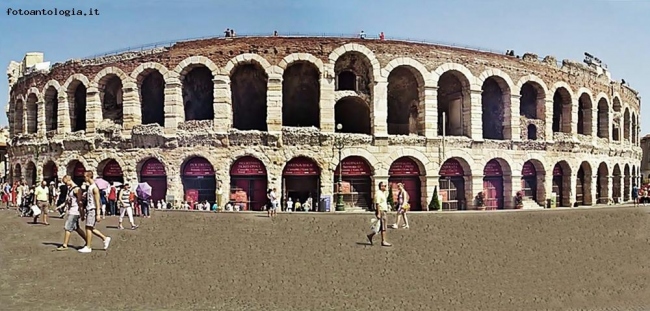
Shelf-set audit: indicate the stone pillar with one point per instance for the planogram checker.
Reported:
(593, 113)
(131, 107)
(63, 114)
(222, 104)
(572, 189)
(594, 187)
(39, 172)
(475, 186)
(327, 184)
(548, 131)
(431, 112)
(93, 110)
(475, 117)
(574, 118)
(175, 187)
(41, 126)
(512, 126)
(274, 103)
(327, 84)
(379, 109)
(511, 184)
(174, 112)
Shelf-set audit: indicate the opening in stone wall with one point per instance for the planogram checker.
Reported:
(616, 126)
(32, 114)
(18, 173)
(532, 132)
(584, 114)
(561, 111)
(626, 124)
(152, 98)
(626, 183)
(602, 184)
(603, 118)
(634, 129)
(354, 65)
(51, 109)
(353, 114)
(454, 102)
(248, 85)
(583, 184)
(30, 173)
(198, 94)
(404, 98)
(77, 102)
(19, 117)
(301, 95)
(616, 183)
(494, 102)
(532, 101)
(111, 94)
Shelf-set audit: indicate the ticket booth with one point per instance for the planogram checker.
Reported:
(153, 173)
(199, 181)
(248, 184)
(301, 181)
(452, 185)
(407, 172)
(493, 185)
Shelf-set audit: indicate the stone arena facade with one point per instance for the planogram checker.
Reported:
(255, 113)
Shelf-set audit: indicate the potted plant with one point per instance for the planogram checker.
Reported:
(480, 201)
(519, 200)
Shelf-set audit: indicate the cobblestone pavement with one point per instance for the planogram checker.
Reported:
(527, 260)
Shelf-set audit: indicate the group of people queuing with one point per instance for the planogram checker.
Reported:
(641, 195)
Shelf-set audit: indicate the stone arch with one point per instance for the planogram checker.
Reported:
(562, 183)
(627, 181)
(375, 67)
(17, 172)
(76, 94)
(491, 73)
(468, 164)
(562, 108)
(503, 160)
(196, 154)
(617, 182)
(198, 92)
(301, 84)
(102, 164)
(454, 84)
(634, 128)
(495, 103)
(353, 114)
(302, 57)
(585, 106)
(50, 170)
(191, 62)
(141, 71)
(70, 162)
(51, 105)
(249, 79)
(531, 79)
(321, 166)
(151, 79)
(617, 122)
(602, 184)
(355, 71)
(626, 123)
(31, 109)
(533, 186)
(110, 82)
(532, 100)
(51, 83)
(31, 173)
(405, 100)
(602, 119)
(143, 159)
(420, 159)
(19, 116)
(583, 184)
(36, 92)
(373, 162)
(264, 158)
(422, 73)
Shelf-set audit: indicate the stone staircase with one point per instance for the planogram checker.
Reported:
(530, 204)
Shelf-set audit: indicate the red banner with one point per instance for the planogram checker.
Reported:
(557, 170)
(112, 169)
(79, 170)
(451, 168)
(492, 168)
(301, 166)
(153, 168)
(404, 167)
(198, 167)
(528, 169)
(354, 166)
(248, 166)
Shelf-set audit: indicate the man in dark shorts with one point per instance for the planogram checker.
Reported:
(635, 195)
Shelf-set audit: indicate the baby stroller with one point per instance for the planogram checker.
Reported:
(26, 205)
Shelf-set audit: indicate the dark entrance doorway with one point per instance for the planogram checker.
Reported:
(406, 171)
(153, 173)
(113, 172)
(558, 184)
(301, 182)
(529, 181)
(493, 185)
(199, 182)
(78, 171)
(452, 185)
(356, 187)
(50, 172)
(248, 184)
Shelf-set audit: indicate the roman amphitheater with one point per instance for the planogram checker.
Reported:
(251, 113)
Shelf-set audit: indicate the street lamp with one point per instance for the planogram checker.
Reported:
(339, 144)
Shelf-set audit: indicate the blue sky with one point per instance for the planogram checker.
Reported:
(615, 31)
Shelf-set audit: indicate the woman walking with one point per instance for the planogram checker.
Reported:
(402, 207)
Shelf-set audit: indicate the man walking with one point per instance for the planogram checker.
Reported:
(381, 208)
(42, 198)
(74, 199)
(91, 214)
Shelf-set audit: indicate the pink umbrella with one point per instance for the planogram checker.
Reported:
(102, 184)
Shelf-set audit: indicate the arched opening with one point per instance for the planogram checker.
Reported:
(248, 85)
(51, 109)
(353, 72)
(495, 96)
(584, 115)
(18, 173)
(76, 170)
(634, 176)
(583, 185)
(493, 186)
(112, 96)
(112, 171)
(616, 126)
(198, 93)
(77, 102)
(407, 172)
(301, 95)
(603, 118)
(151, 85)
(405, 93)
(562, 184)
(532, 101)
(532, 181)
(626, 183)
(248, 184)
(301, 184)
(32, 114)
(353, 114)
(30, 173)
(532, 132)
(199, 181)
(626, 125)
(602, 184)
(452, 184)
(153, 172)
(634, 129)
(454, 104)
(617, 184)
(561, 111)
(50, 172)
(356, 186)
(19, 117)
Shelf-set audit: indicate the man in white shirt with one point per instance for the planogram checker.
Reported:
(381, 209)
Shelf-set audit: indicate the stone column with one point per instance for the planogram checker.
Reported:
(431, 111)
(327, 84)
(63, 114)
(93, 110)
(511, 124)
(327, 183)
(475, 117)
(131, 107)
(476, 186)
(511, 184)
(548, 131)
(174, 112)
(594, 187)
(274, 103)
(574, 118)
(41, 127)
(379, 109)
(222, 104)
(593, 113)
(572, 189)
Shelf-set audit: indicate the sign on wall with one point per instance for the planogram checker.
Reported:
(301, 166)
(248, 166)
(198, 167)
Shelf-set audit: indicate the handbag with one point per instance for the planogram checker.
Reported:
(375, 225)
(36, 210)
(406, 206)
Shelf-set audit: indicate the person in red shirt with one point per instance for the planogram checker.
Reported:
(112, 201)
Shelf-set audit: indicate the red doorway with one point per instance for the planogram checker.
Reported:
(493, 185)
(248, 184)
(558, 184)
(113, 172)
(452, 185)
(301, 182)
(406, 171)
(529, 181)
(199, 182)
(153, 173)
(356, 187)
